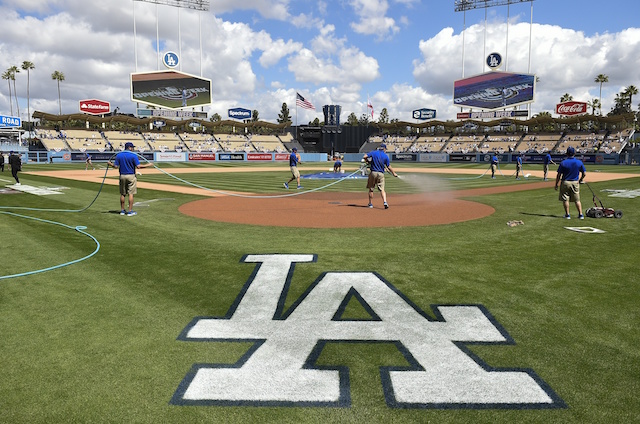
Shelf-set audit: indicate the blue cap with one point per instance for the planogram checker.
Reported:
(295, 149)
(128, 144)
(571, 151)
(382, 146)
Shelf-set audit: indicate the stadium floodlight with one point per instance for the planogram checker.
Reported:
(464, 5)
(185, 4)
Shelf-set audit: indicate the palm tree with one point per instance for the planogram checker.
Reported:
(7, 76)
(14, 70)
(631, 91)
(27, 66)
(594, 104)
(601, 78)
(566, 97)
(58, 76)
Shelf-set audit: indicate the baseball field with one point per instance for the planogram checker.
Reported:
(229, 298)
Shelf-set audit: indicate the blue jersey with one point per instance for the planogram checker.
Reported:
(570, 169)
(494, 160)
(519, 160)
(547, 159)
(127, 161)
(293, 159)
(379, 160)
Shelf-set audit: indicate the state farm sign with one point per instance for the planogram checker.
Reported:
(571, 108)
(95, 107)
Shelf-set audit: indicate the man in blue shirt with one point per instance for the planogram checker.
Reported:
(518, 166)
(379, 162)
(545, 167)
(294, 159)
(571, 173)
(494, 165)
(127, 163)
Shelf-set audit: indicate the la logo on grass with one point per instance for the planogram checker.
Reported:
(280, 368)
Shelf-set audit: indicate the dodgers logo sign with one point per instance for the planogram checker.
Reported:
(170, 60)
(494, 60)
(280, 368)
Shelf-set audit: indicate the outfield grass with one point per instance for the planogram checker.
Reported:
(97, 341)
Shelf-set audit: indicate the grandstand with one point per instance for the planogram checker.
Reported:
(429, 144)
(538, 143)
(235, 143)
(84, 140)
(52, 140)
(399, 144)
(267, 143)
(583, 143)
(500, 143)
(164, 141)
(463, 144)
(117, 139)
(199, 142)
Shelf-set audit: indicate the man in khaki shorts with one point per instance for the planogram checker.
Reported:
(571, 173)
(379, 162)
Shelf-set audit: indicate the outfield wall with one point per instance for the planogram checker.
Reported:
(255, 157)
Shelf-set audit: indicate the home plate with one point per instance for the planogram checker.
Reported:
(588, 230)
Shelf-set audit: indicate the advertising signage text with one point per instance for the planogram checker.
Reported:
(493, 115)
(494, 90)
(571, 108)
(239, 113)
(10, 121)
(424, 113)
(95, 107)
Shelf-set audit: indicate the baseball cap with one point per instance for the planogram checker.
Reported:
(128, 144)
(571, 151)
(295, 149)
(382, 146)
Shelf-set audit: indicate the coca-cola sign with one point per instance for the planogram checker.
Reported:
(95, 107)
(571, 108)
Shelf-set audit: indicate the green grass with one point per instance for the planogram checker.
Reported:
(97, 341)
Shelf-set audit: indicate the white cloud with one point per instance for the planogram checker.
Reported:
(566, 61)
(373, 19)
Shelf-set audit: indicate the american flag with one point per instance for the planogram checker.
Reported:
(303, 103)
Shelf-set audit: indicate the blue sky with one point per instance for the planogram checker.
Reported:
(402, 54)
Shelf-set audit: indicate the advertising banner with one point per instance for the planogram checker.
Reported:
(405, 157)
(424, 114)
(494, 90)
(493, 115)
(163, 113)
(169, 157)
(461, 158)
(10, 121)
(231, 156)
(95, 107)
(571, 108)
(170, 89)
(202, 156)
(239, 113)
(282, 156)
(259, 156)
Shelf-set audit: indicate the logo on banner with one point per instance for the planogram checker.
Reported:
(239, 113)
(571, 108)
(280, 368)
(95, 107)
